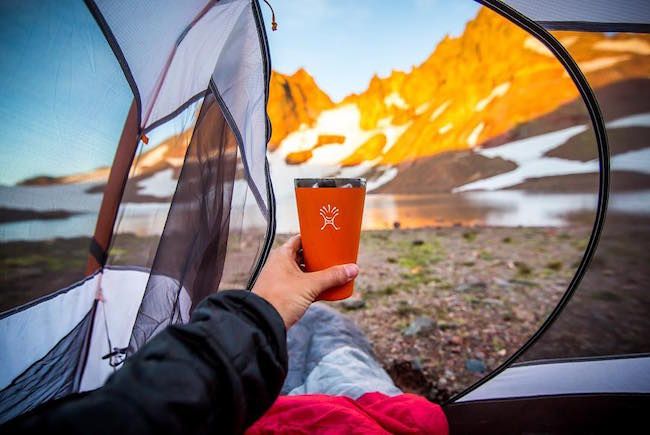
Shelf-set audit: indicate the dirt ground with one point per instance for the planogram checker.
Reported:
(442, 307)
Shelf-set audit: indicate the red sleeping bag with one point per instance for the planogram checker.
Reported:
(372, 413)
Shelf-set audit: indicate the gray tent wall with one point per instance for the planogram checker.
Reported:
(586, 15)
(173, 54)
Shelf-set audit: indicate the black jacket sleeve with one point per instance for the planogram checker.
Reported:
(216, 374)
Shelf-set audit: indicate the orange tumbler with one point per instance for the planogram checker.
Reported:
(330, 211)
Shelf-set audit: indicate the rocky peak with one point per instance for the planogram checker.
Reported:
(294, 100)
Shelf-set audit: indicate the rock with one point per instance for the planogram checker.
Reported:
(502, 283)
(408, 376)
(456, 340)
(501, 352)
(416, 363)
(450, 375)
(353, 304)
(447, 325)
(420, 325)
(524, 282)
(368, 151)
(294, 100)
(472, 287)
(475, 365)
(326, 139)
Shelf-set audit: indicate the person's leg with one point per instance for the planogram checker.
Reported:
(328, 354)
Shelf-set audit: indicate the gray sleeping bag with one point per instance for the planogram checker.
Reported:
(328, 354)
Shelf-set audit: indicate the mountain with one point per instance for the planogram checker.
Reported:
(294, 100)
(493, 84)
(168, 154)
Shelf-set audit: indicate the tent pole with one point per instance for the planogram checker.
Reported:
(113, 191)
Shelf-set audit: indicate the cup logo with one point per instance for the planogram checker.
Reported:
(329, 213)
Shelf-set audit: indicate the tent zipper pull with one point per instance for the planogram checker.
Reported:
(274, 24)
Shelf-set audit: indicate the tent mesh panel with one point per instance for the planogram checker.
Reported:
(193, 243)
(608, 313)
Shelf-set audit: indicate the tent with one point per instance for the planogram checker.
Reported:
(210, 68)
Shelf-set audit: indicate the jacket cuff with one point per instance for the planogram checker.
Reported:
(270, 321)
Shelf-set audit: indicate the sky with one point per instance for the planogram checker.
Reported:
(342, 43)
(63, 96)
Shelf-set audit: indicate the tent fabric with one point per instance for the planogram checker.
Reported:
(192, 247)
(29, 333)
(213, 55)
(603, 319)
(148, 34)
(629, 375)
(236, 76)
(51, 377)
(122, 291)
(589, 324)
(49, 362)
(64, 103)
(171, 69)
(570, 414)
(587, 15)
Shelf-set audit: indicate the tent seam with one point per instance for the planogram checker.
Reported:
(117, 51)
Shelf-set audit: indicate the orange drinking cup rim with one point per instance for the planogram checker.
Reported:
(329, 182)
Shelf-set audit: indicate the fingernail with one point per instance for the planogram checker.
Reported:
(351, 270)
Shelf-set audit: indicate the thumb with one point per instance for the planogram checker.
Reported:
(333, 277)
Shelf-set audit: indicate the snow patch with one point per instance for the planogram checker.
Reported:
(388, 175)
(343, 120)
(601, 63)
(533, 44)
(422, 108)
(639, 120)
(176, 162)
(472, 139)
(393, 133)
(568, 41)
(395, 99)
(634, 45)
(445, 128)
(498, 91)
(161, 184)
(441, 108)
(528, 154)
(154, 156)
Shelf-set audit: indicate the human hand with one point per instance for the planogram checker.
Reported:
(289, 289)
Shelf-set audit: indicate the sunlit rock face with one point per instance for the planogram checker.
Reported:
(492, 85)
(473, 91)
(294, 100)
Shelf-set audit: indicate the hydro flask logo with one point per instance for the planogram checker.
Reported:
(329, 213)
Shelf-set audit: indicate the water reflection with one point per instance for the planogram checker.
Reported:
(509, 208)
